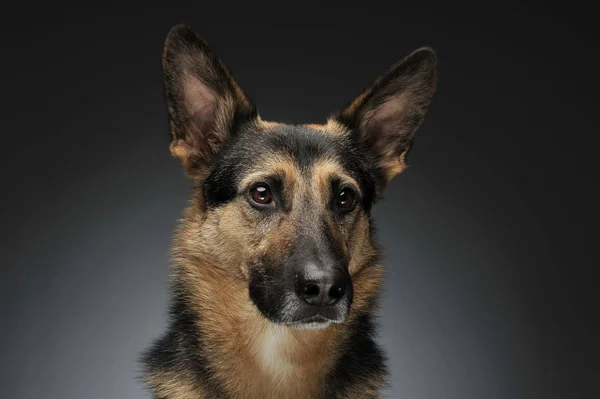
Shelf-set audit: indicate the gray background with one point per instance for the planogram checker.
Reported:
(489, 234)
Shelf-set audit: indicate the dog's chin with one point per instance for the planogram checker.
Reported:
(314, 323)
(303, 321)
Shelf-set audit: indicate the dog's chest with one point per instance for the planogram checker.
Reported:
(272, 353)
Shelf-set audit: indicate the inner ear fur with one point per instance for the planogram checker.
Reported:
(383, 119)
(204, 101)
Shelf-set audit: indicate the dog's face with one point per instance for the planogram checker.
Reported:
(287, 207)
(294, 201)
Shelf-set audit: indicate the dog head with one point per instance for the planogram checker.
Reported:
(287, 207)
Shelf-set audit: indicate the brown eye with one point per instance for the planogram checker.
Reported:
(261, 194)
(345, 200)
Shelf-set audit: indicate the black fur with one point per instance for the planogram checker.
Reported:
(181, 348)
(361, 360)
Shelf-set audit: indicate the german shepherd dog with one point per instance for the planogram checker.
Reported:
(276, 272)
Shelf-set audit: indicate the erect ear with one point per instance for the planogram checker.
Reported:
(204, 102)
(384, 118)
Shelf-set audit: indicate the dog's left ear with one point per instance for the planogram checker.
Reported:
(204, 101)
(384, 118)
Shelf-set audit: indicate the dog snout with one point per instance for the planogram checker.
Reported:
(320, 286)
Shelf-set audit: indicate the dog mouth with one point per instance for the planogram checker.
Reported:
(317, 319)
(300, 316)
(314, 322)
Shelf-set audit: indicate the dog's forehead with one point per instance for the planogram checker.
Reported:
(313, 154)
(302, 143)
(300, 146)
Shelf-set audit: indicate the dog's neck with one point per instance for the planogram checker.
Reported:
(251, 356)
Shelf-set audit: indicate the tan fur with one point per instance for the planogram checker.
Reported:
(325, 170)
(332, 127)
(175, 385)
(364, 390)
(263, 125)
(390, 164)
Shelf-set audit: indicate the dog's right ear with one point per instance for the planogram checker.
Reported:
(204, 101)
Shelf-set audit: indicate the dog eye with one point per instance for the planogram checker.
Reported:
(345, 200)
(261, 194)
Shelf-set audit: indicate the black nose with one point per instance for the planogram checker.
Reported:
(321, 287)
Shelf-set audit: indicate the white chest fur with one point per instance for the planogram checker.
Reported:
(272, 350)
